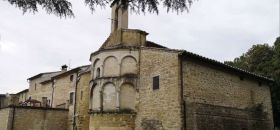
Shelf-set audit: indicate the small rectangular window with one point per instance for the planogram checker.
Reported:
(71, 98)
(156, 83)
(81, 95)
(71, 77)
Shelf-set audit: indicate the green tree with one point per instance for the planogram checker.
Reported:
(264, 60)
(63, 8)
(276, 87)
(258, 59)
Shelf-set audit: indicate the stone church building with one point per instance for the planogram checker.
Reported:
(136, 84)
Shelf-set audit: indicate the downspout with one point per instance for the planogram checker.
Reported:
(75, 100)
(183, 103)
(52, 91)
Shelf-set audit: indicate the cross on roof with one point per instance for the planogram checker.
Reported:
(119, 17)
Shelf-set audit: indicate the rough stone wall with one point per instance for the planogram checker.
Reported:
(43, 90)
(125, 37)
(23, 96)
(61, 97)
(63, 87)
(24, 118)
(82, 102)
(4, 101)
(159, 109)
(4, 118)
(36, 89)
(9, 99)
(217, 99)
(40, 119)
(115, 121)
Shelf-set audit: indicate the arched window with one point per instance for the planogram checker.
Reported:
(97, 72)
(95, 98)
(96, 68)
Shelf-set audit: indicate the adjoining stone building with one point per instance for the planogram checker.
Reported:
(22, 96)
(48, 104)
(42, 92)
(8, 100)
(3, 101)
(60, 90)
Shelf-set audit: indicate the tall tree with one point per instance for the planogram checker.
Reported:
(276, 87)
(264, 60)
(258, 59)
(63, 8)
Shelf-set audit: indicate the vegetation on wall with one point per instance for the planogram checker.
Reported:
(63, 8)
(264, 60)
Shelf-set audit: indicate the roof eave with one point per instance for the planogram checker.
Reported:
(187, 54)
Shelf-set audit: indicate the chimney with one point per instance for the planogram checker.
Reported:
(64, 68)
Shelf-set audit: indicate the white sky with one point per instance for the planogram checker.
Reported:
(218, 29)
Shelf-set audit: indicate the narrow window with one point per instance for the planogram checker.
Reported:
(81, 95)
(97, 72)
(156, 83)
(71, 98)
(260, 83)
(35, 86)
(71, 77)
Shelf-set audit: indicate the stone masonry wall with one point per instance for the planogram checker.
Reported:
(40, 119)
(43, 90)
(4, 118)
(159, 109)
(125, 37)
(38, 90)
(27, 118)
(82, 104)
(23, 96)
(111, 121)
(61, 96)
(63, 87)
(220, 98)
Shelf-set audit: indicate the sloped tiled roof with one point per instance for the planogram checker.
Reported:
(187, 54)
(39, 75)
(65, 73)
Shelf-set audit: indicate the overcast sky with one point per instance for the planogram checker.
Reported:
(218, 29)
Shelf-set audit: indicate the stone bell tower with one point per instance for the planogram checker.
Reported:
(120, 34)
(119, 17)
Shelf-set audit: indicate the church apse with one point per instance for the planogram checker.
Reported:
(114, 81)
(113, 88)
